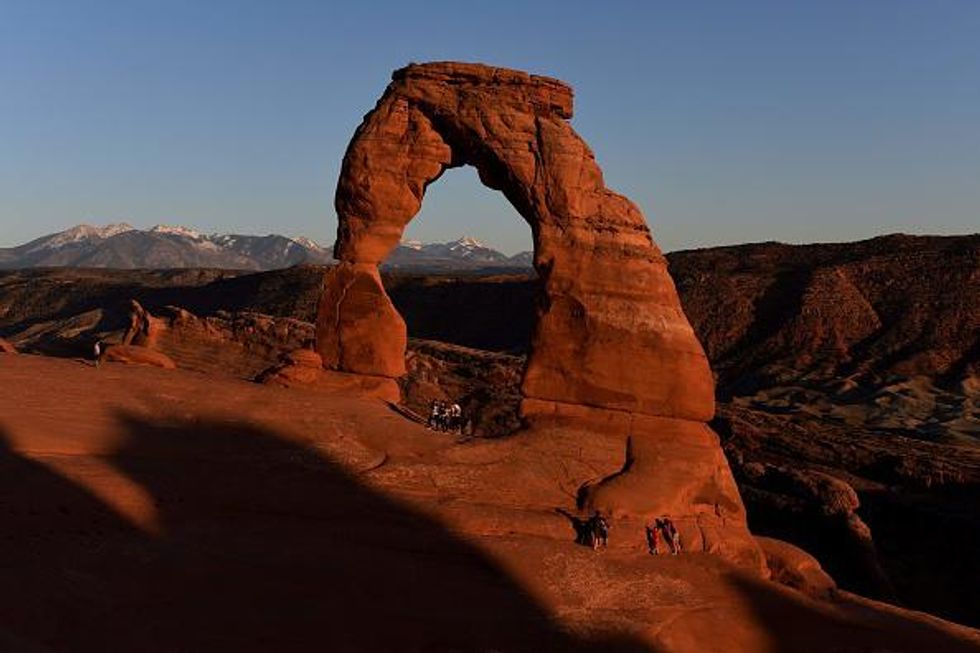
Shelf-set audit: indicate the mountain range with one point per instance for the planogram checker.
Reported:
(163, 246)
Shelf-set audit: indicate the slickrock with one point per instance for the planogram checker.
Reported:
(136, 355)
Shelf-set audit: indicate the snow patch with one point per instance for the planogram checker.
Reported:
(177, 230)
(308, 243)
(81, 233)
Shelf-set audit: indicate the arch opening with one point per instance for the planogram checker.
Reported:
(458, 204)
(468, 306)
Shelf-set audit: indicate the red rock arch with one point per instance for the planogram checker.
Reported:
(610, 331)
(612, 354)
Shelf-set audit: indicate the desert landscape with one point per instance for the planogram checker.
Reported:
(219, 458)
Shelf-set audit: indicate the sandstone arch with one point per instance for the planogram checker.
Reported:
(610, 331)
(612, 353)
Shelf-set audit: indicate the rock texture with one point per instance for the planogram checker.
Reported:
(796, 568)
(907, 446)
(304, 368)
(242, 344)
(135, 355)
(891, 306)
(611, 346)
(610, 331)
(6, 347)
(167, 510)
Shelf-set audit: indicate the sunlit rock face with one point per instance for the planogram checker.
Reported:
(611, 348)
(610, 330)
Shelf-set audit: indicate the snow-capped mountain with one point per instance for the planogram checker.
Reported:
(171, 246)
(162, 246)
(83, 233)
(464, 253)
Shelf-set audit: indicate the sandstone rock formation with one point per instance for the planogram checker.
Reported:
(611, 346)
(242, 344)
(135, 355)
(796, 568)
(610, 331)
(304, 368)
(6, 347)
(180, 511)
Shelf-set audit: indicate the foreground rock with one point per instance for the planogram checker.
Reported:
(6, 347)
(166, 510)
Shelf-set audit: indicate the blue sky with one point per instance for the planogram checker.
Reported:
(725, 121)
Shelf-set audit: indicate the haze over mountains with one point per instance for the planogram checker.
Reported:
(124, 247)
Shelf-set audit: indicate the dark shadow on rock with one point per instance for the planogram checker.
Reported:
(263, 544)
(581, 527)
(795, 624)
(56, 538)
(928, 541)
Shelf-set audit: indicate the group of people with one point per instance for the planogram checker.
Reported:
(663, 528)
(445, 416)
(594, 532)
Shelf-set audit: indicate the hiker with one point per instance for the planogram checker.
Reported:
(672, 535)
(435, 415)
(600, 531)
(456, 418)
(583, 530)
(97, 352)
(653, 538)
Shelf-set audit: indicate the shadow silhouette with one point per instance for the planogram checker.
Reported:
(581, 527)
(263, 544)
(794, 625)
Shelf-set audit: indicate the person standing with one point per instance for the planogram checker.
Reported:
(433, 415)
(97, 352)
(600, 531)
(672, 535)
(456, 418)
(653, 538)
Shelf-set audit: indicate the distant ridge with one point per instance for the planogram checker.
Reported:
(122, 246)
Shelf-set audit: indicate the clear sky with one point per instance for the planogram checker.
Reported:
(727, 121)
